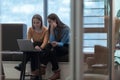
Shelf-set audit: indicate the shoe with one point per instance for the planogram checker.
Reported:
(34, 78)
(35, 73)
(18, 68)
(2, 77)
(55, 76)
(43, 69)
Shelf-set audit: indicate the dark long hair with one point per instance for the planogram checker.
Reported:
(37, 16)
(60, 25)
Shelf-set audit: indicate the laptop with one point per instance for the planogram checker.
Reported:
(25, 45)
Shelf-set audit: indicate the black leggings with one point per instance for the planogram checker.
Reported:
(51, 55)
(33, 57)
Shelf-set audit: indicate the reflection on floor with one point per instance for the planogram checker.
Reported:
(95, 74)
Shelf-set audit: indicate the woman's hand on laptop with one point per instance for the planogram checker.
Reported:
(38, 48)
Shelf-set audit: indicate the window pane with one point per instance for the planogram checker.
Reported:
(93, 0)
(93, 26)
(88, 50)
(62, 9)
(94, 4)
(92, 39)
(93, 20)
(95, 35)
(20, 11)
(94, 12)
(95, 42)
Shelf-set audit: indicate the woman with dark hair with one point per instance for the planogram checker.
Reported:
(58, 45)
(38, 33)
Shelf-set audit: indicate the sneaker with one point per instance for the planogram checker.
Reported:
(18, 68)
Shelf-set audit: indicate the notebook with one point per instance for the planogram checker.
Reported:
(25, 45)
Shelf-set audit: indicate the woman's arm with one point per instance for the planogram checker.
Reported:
(65, 37)
(29, 34)
(45, 40)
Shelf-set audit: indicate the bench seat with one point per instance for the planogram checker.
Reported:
(17, 56)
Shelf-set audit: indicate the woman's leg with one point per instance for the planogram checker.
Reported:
(19, 67)
(50, 55)
(34, 61)
(57, 52)
(35, 66)
(45, 54)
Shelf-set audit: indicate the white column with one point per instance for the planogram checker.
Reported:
(76, 43)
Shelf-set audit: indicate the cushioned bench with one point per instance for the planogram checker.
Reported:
(17, 56)
(12, 56)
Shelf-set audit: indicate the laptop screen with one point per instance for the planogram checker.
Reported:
(25, 45)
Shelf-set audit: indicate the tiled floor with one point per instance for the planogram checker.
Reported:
(12, 74)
